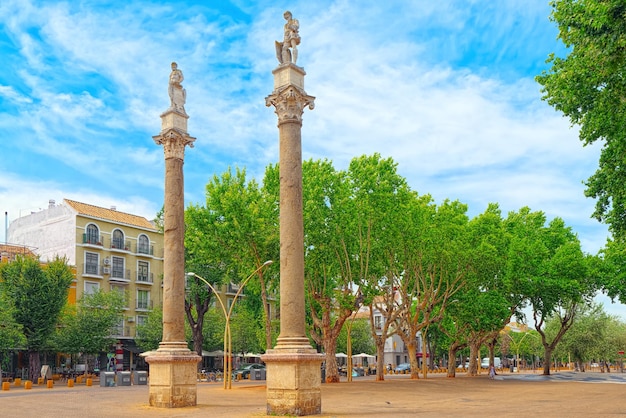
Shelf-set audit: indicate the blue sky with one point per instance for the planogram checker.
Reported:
(445, 88)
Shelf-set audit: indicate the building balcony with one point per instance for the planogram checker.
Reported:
(91, 240)
(145, 278)
(120, 245)
(143, 305)
(121, 331)
(233, 288)
(93, 270)
(119, 275)
(145, 250)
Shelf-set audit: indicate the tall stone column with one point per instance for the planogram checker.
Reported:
(173, 366)
(293, 366)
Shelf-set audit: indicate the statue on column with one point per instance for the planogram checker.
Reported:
(287, 51)
(177, 93)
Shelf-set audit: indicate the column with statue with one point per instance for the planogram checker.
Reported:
(293, 365)
(173, 367)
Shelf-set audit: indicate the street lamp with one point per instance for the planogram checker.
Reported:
(228, 346)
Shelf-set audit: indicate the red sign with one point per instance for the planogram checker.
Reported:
(621, 353)
(420, 355)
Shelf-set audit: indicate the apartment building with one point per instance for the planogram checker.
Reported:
(111, 250)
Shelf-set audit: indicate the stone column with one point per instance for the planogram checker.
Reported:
(293, 366)
(173, 366)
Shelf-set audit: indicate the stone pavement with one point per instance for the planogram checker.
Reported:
(564, 394)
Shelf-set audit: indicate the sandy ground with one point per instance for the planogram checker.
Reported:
(563, 394)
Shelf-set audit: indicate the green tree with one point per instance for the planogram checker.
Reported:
(556, 279)
(150, 333)
(360, 336)
(233, 235)
(435, 258)
(88, 328)
(588, 86)
(38, 294)
(11, 335)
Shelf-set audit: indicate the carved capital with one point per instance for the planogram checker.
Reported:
(174, 143)
(290, 102)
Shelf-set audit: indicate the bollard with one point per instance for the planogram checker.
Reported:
(50, 384)
(6, 385)
(88, 382)
(79, 379)
(70, 383)
(28, 384)
(17, 382)
(40, 380)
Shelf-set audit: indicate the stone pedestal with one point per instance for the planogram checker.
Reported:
(293, 366)
(173, 377)
(173, 367)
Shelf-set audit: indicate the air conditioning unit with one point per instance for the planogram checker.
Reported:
(130, 319)
(107, 261)
(106, 270)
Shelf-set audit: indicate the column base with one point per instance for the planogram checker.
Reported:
(173, 377)
(293, 381)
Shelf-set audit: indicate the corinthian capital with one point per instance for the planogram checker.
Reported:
(290, 103)
(174, 143)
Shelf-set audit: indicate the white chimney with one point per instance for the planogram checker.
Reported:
(51, 203)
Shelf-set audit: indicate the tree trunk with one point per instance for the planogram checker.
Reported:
(473, 364)
(332, 372)
(411, 348)
(34, 365)
(451, 360)
(380, 359)
(547, 355)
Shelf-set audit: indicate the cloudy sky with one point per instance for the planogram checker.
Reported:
(445, 88)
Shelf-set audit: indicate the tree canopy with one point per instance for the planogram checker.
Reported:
(588, 86)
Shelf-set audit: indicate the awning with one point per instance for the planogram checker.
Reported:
(133, 349)
(217, 353)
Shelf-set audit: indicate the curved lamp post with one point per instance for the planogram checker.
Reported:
(228, 346)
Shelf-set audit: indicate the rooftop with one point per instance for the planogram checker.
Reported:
(110, 214)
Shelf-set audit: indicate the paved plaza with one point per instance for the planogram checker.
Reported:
(564, 394)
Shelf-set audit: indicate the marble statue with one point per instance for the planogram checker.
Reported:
(177, 93)
(287, 51)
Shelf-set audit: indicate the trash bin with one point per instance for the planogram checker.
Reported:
(123, 378)
(257, 374)
(107, 379)
(140, 378)
(323, 374)
(512, 367)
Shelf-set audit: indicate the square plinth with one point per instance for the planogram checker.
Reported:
(172, 119)
(289, 74)
(293, 383)
(173, 380)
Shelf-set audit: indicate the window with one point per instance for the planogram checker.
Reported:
(378, 321)
(91, 263)
(118, 239)
(142, 320)
(91, 287)
(143, 245)
(122, 290)
(117, 267)
(118, 329)
(143, 299)
(93, 234)
(143, 268)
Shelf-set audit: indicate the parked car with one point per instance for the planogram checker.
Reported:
(403, 368)
(497, 363)
(244, 370)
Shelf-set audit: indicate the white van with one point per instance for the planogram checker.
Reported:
(496, 362)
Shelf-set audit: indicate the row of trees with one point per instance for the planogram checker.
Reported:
(372, 241)
(35, 315)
